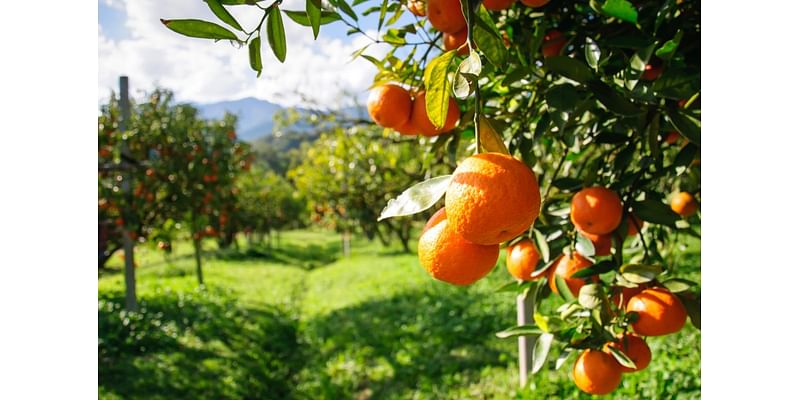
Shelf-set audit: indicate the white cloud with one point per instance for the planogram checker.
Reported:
(204, 71)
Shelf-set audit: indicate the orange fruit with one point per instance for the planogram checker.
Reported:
(602, 243)
(535, 3)
(634, 225)
(424, 126)
(416, 7)
(672, 137)
(389, 105)
(492, 198)
(621, 295)
(553, 42)
(565, 266)
(660, 312)
(450, 258)
(596, 372)
(652, 71)
(437, 217)
(636, 349)
(521, 260)
(407, 129)
(446, 15)
(596, 210)
(684, 204)
(497, 5)
(455, 41)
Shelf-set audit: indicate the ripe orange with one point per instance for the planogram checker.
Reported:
(602, 243)
(684, 204)
(535, 3)
(450, 258)
(455, 41)
(636, 349)
(621, 295)
(652, 71)
(417, 7)
(407, 129)
(492, 198)
(497, 5)
(389, 105)
(672, 137)
(634, 225)
(660, 312)
(423, 125)
(437, 217)
(553, 42)
(521, 260)
(596, 210)
(565, 267)
(446, 15)
(596, 372)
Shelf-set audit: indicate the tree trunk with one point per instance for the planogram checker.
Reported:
(197, 249)
(346, 243)
(384, 240)
(130, 274)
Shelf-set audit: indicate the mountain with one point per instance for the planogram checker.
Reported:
(255, 116)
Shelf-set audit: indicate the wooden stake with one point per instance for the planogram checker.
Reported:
(525, 343)
(127, 241)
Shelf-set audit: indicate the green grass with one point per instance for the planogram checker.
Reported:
(299, 321)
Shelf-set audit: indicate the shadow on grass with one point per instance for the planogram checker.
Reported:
(307, 256)
(198, 345)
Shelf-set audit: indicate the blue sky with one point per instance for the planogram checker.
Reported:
(132, 41)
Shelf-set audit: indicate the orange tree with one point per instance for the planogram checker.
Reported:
(266, 202)
(599, 99)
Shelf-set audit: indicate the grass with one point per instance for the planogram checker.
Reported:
(299, 321)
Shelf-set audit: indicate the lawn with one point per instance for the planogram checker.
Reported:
(299, 321)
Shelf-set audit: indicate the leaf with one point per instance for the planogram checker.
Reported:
(255, 55)
(621, 9)
(592, 52)
(382, 16)
(562, 97)
(639, 273)
(568, 184)
(611, 99)
(199, 29)
(519, 330)
(275, 34)
(347, 9)
(541, 244)
(417, 198)
(540, 350)
(223, 14)
(622, 359)
(569, 67)
(466, 75)
(652, 210)
(677, 285)
(491, 141)
(488, 39)
(314, 12)
(437, 88)
(668, 49)
(685, 156)
(591, 296)
(637, 66)
(563, 289)
(541, 322)
(688, 126)
(600, 268)
(691, 303)
(562, 358)
(584, 246)
(513, 286)
(301, 17)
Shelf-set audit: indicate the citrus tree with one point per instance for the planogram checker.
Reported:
(266, 202)
(584, 121)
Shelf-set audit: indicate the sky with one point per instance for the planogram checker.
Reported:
(132, 41)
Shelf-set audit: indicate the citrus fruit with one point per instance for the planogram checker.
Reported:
(565, 266)
(389, 105)
(596, 372)
(636, 349)
(684, 204)
(407, 129)
(634, 225)
(521, 260)
(602, 243)
(552, 44)
(423, 125)
(596, 210)
(660, 312)
(446, 15)
(652, 71)
(535, 3)
(455, 41)
(437, 217)
(416, 7)
(621, 295)
(497, 5)
(672, 137)
(450, 258)
(492, 198)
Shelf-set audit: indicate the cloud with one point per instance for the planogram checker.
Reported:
(204, 71)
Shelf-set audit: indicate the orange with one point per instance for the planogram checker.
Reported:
(535, 3)
(450, 258)
(621, 295)
(602, 243)
(652, 71)
(437, 217)
(389, 105)
(596, 210)
(407, 129)
(672, 137)
(521, 260)
(596, 372)
(423, 125)
(553, 42)
(684, 204)
(455, 41)
(446, 15)
(636, 349)
(497, 5)
(416, 7)
(492, 198)
(634, 225)
(660, 312)
(565, 267)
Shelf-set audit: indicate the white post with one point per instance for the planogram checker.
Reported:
(127, 242)
(525, 343)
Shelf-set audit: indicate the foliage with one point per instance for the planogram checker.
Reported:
(266, 201)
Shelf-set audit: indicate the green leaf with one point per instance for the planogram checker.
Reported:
(622, 359)
(541, 321)
(568, 184)
(467, 75)
(417, 198)
(652, 136)
(275, 34)
(491, 46)
(677, 82)
(668, 49)
(519, 330)
(347, 9)
(569, 67)
(677, 285)
(592, 52)
(514, 286)
(596, 269)
(563, 288)
(541, 244)
(612, 99)
(637, 66)
(223, 14)
(621, 9)
(562, 97)
(540, 350)
(199, 29)
(301, 17)
(384, 5)
(255, 55)
(688, 126)
(652, 210)
(540, 29)
(437, 88)
(562, 358)
(584, 246)
(591, 296)
(491, 141)
(691, 303)
(314, 12)
(639, 273)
